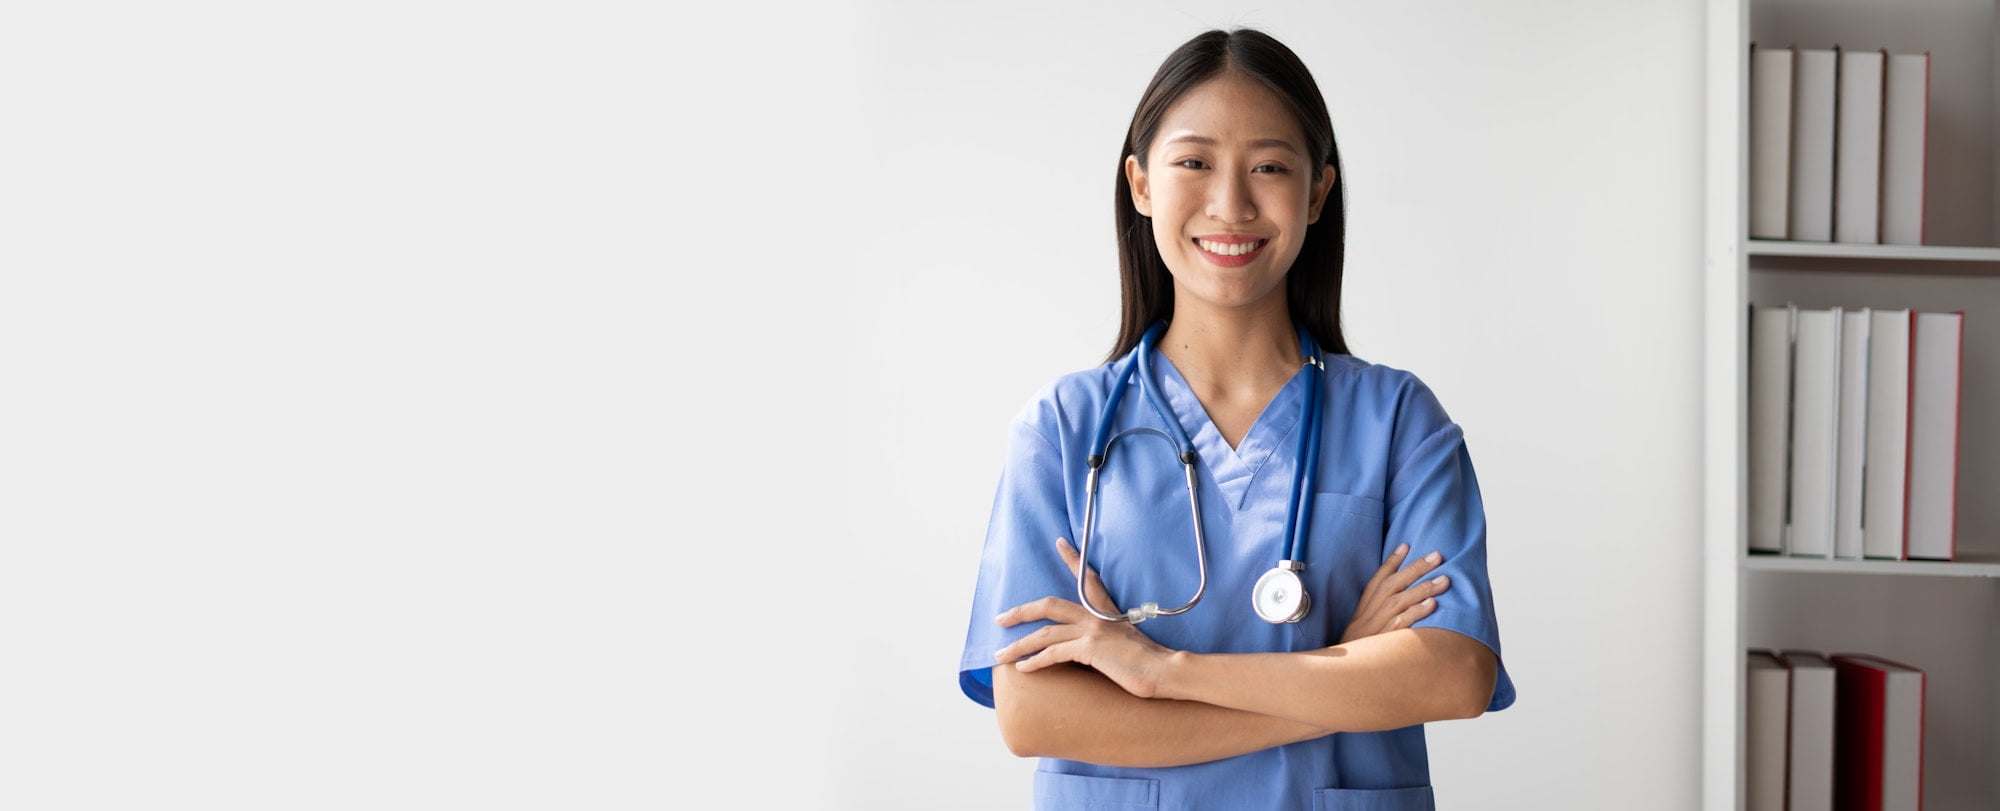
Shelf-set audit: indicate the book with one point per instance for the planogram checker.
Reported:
(1770, 425)
(1810, 729)
(1879, 734)
(1813, 83)
(1852, 412)
(1770, 140)
(1885, 476)
(1857, 168)
(1815, 431)
(1906, 93)
(1767, 707)
(1934, 394)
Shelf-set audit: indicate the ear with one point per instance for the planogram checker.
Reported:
(1142, 192)
(1319, 192)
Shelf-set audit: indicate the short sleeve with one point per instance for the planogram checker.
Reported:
(1020, 562)
(1434, 504)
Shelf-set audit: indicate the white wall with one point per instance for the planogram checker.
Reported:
(439, 404)
(1525, 199)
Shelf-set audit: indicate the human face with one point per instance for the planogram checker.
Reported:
(1229, 187)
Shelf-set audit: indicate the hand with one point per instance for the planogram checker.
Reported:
(1389, 601)
(1119, 650)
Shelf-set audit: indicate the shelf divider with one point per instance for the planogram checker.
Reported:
(1967, 567)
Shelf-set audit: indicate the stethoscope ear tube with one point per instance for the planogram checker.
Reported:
(1144, 611)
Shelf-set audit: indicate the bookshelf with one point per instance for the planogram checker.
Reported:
(1942, 617)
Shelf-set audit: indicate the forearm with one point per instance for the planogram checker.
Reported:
(1388, 681)
(1074, 713)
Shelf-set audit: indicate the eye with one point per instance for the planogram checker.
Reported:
(1271, 169)
(1191, 163)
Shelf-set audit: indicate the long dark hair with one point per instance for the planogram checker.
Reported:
(1312, 285)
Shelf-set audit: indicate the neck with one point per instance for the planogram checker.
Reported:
(1233, 349)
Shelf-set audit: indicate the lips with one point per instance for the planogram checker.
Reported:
(1230, 250)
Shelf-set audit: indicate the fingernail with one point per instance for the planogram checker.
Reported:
(1062, 542)
(1430, 601)
(1402, 549)
(1440, 579)
(998, 654)
(1434, 557)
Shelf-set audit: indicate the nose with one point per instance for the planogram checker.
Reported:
(1229, 200)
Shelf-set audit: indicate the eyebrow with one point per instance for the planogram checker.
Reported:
(1257, 144)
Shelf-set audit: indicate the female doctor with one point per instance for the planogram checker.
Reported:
(1234, 452)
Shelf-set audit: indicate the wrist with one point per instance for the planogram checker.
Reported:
(1173, 679)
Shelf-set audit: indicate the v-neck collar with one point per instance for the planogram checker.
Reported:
(1234, 469)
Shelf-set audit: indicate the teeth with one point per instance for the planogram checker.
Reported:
(1228, 248)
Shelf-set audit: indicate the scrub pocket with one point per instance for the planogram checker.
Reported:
(1390, 799)
(1343, 549)
(1055, 791)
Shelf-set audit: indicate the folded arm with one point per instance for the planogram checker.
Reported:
(1174, 708)
(1382, 682)
(1075, 713)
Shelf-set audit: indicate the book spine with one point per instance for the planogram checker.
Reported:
(1812, 145)
(1858, 147)
(1770, 141)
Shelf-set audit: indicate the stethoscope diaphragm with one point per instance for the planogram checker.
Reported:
(1280, 596)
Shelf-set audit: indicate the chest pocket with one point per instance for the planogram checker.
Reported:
(1343, 548)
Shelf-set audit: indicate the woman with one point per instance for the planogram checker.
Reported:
(1231, 289)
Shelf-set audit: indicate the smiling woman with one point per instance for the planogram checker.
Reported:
(1304, 684)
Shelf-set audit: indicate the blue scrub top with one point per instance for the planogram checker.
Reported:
(1393, 468)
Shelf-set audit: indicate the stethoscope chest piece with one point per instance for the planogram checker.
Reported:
(1280, 596)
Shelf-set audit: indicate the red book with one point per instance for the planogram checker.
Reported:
(1879, 737)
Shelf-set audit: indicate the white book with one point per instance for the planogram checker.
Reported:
(1852, 412)
(1770, 140)
(1766, 709)
(1934, 382)
(1809, 759)
(1857, 142)
(1813, 83)
(1815, 431)
(1885, 477)
(1905, 120)
(1770, 422)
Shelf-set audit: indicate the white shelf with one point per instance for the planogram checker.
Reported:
(1849, 250)
(1939, 614)
(1922, 568)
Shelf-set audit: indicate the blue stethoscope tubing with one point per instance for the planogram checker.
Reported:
(1279, 595)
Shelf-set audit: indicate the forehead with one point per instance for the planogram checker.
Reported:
(1231, 109)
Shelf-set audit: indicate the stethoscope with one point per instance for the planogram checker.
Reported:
(1279, 595)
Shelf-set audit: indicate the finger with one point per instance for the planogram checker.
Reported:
(1432, 587)
(1093, 588)
(1403, 600)
(1417, 569)
(1388, 567)
(1052, 655)
(1032, 643)
(1068, 554)
(1413, 614)
(1047, 608)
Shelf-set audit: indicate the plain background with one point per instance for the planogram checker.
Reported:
(432, 404)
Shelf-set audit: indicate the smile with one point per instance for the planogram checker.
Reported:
(1231, 248)
(1231, 252)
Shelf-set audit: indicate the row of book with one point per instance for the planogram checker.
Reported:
(1837, 144)
(1845, 731)
(1853, 432)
